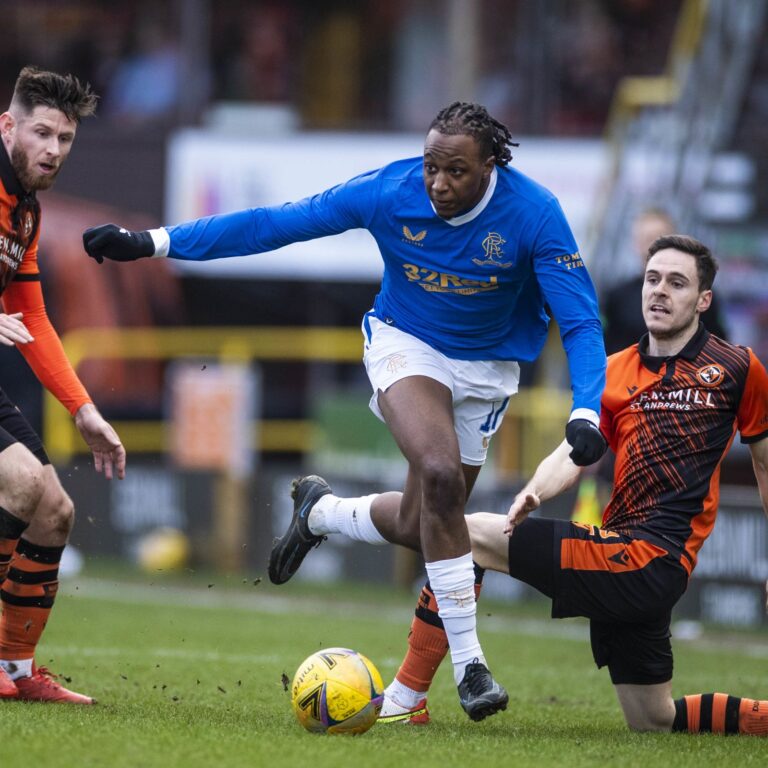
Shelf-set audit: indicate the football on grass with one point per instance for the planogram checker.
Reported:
(337, 690)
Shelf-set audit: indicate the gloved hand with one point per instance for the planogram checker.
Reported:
(586, 440)
(109, 241)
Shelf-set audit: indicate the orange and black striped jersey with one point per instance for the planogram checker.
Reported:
(21, 290)
(670, 422)
(19, 226)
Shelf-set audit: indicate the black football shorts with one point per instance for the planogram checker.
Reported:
(625, 586)
(14, 428)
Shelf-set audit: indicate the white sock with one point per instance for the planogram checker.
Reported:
(453, 584)
(402, 695)
(17, 668)
(351, 517)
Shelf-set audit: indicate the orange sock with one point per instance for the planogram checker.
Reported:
(720, 713)
(27, 595)
(427, 642)
(753, 717)
(11, 528)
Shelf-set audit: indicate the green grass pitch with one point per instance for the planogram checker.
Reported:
(189, 673)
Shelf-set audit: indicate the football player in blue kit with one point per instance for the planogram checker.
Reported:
(473, 250)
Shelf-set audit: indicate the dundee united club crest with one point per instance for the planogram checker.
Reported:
(493, 253)
(28, 224)
(710, 375)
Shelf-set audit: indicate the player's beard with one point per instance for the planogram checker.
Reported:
(30, 181)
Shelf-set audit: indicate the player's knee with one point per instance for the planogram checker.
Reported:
(25, 491)
(489, 544)
(441, 476)
(59, 512)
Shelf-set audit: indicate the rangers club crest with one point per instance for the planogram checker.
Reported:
(493, 252)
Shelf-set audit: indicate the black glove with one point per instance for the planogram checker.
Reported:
(586, 440)
(112, 242)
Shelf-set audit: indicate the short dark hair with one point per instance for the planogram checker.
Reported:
(35, 88)
(706, 264)
(463, 118)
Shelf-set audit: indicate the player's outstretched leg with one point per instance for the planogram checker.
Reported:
(289, 551)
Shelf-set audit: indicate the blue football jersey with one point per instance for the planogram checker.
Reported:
(473, 287)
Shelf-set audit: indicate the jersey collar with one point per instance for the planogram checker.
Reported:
(473, 213)
(688, 352)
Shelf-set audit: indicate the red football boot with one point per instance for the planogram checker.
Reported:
(8, 689)
(394, 713)
(42, 686)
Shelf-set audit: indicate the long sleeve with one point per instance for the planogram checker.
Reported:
(45, 354)
(257, 230)
(568, 290)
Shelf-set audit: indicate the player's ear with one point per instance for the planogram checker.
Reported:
(705, 299)
(488, 165)
(7, 123)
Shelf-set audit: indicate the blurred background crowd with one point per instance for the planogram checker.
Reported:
(542, 67)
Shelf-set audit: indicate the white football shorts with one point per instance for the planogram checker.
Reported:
(481, 388)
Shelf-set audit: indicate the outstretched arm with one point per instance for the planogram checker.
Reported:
(490, 547)
(555, 474)
(254, 230)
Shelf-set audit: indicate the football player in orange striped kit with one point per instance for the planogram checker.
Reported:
(36, 514)
(670, 410)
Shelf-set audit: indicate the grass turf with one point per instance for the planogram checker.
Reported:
(189, 672)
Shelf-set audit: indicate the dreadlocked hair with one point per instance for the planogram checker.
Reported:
(35, 87)
(468, 119)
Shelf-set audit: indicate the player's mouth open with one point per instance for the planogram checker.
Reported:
(659, 308)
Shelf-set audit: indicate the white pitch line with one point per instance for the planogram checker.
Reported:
(163, 653)
(214, 657)
(206, 599)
